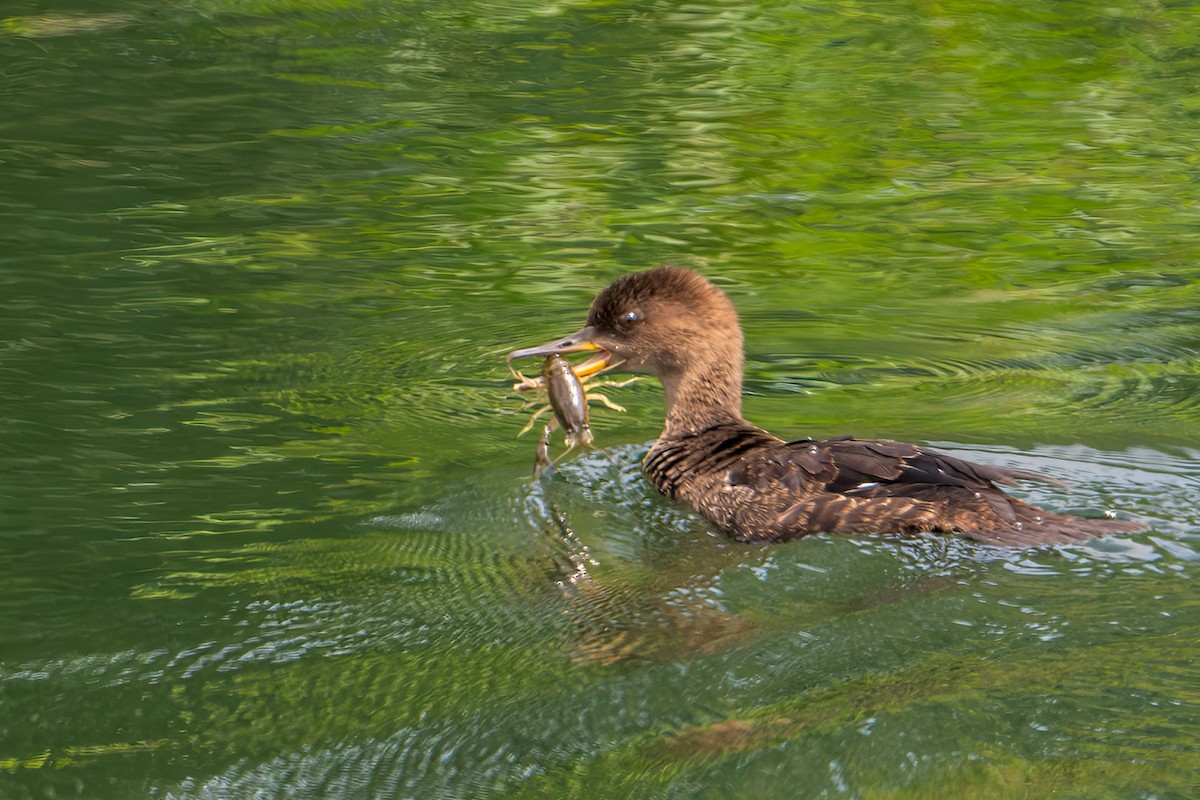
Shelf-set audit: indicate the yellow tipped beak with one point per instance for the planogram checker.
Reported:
(577, 342)
(594, 365)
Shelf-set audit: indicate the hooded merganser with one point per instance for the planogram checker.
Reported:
(674, 324)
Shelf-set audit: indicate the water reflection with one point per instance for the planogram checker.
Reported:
(266, 519)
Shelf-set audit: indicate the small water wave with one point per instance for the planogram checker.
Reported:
(439, 759)
(1162, 384)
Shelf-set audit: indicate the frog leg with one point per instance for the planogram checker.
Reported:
(614, 384)
(533, 419)
(526, 384)
(563, 454)
(541, 456)
(605, 400)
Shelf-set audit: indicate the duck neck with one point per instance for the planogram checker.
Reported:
(702, 395)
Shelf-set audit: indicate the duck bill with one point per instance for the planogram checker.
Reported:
(578, 342)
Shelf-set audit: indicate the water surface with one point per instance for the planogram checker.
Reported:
(267, 525)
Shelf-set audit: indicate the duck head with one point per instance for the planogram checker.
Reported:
(668, 322)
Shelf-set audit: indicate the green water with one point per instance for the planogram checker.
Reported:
(265, 524)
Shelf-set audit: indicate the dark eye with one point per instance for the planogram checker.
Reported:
(631, 318)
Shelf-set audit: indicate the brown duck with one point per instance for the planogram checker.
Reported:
(674, 324)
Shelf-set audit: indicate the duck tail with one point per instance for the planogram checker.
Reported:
(1029, 526)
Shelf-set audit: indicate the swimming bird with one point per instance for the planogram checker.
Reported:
(674, 324)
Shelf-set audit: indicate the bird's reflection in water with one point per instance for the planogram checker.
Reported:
(654, 615)
(651, 585)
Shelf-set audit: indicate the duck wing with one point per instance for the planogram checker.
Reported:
(858, 461)
(849, 485)
(846, 465)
